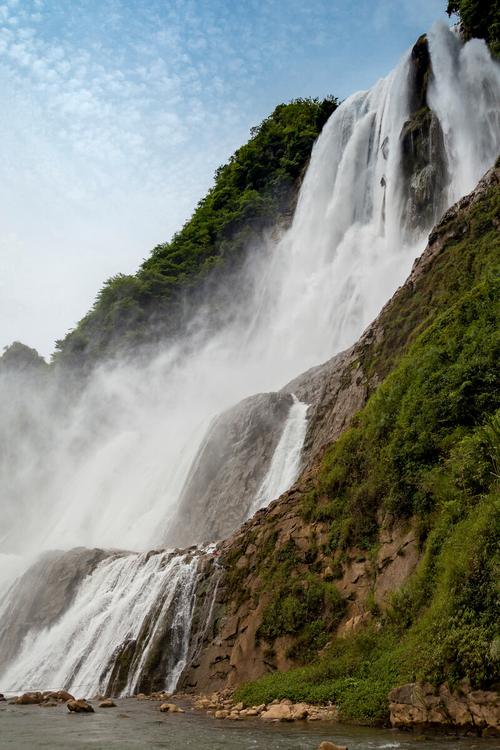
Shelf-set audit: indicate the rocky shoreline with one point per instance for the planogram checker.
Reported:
(416, 707)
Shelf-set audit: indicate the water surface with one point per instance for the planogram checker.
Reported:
(133, 725)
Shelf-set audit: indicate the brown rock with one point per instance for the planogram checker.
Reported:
(171, 708)
(277, 712)
(300, 711)
(61, 696)
(331, 746)
(27, 699)
(80, 706)
(107, 703)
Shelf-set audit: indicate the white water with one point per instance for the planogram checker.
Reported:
(106, 466)
(285, 464)
(112, 605)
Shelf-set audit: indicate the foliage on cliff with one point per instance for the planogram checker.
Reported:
(250, 193)
(424, 451)
(21, 358)
(479, 18)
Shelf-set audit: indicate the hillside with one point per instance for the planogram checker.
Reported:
(390, 538)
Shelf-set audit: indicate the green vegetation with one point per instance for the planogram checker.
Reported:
(356, 673)
(479, 18)
(256, 188)
(21, 358)
(425, 450)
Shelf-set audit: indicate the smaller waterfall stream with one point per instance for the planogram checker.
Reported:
(285, 464)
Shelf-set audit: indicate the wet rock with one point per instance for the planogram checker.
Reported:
(171, 708)
(229, 469)
(2, 697)
(80, 706)
(326, 745)
(61, 696)
(108, 703)
(27, 699)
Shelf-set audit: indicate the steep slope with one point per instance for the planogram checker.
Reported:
(390, 537)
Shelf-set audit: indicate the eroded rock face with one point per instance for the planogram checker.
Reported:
(419, 705)
(230, 652)
(424, 162)
(229, 470)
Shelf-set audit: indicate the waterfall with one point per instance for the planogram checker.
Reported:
(285, 464)
(126, 600)
(105, 467)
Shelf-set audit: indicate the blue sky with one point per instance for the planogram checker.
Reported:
(115, 114)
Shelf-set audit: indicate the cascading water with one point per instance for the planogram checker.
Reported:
(285, 464)
(125, 600)
(105, 467)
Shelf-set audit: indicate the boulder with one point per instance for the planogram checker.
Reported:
(171, 708)
(80, 706)
(222, 714)
(27, 699)
(421, 705)
(2, 697)
(300, 711)
(62, 696)
(277, 712)
(107, 703)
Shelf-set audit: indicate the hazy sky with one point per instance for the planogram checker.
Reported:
(114, 115)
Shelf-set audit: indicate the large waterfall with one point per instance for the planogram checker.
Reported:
(106, 467)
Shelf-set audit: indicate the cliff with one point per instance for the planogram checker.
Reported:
(364, 545)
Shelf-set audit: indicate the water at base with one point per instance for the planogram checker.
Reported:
(135, 725)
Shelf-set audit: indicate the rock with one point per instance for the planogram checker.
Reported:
(49, 704)
(420, 705)
(230, 466)
(142, 697)
(107, 703)
(222, 714)
(2, 697)
(80, 706)
(325, 745)
(300, 711)
(171, 708)
(62, 696)
(277, 712)
(27, 699)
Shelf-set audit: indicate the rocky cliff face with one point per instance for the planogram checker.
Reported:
(424, 163)
(234, 650)
(423, 706)
(229, 470)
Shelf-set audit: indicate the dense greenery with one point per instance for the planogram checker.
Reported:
(21, 358)
(426, 448)
(253, 191)
(479, 18)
